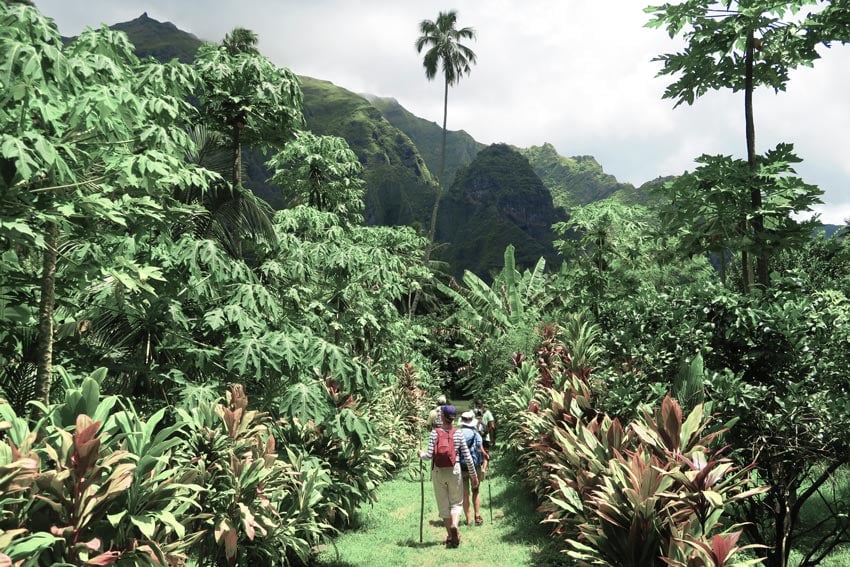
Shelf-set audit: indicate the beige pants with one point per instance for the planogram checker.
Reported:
(448, 490)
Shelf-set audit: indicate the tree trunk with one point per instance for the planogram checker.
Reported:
(747, 275)
(778, 556)
(45, 314)
(237, 153)
(238, 124)
(432, 229)
(762, 275)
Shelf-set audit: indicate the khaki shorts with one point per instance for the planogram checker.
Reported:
(468, 479)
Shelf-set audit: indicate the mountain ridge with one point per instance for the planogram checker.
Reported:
(400, 153)
(399, 165)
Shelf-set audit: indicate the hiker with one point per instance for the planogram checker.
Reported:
(447, 449)
(488, 423)
(468, 425)
(435, 417)
(479, 427)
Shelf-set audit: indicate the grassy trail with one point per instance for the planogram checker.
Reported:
(388, 532)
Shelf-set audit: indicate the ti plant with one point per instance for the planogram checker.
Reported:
(652, 493)
(662, 495)
(19, 467)
(78, 491)
(247, 489)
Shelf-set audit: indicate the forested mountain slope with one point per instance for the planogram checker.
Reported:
(497, 200)
(461, 148)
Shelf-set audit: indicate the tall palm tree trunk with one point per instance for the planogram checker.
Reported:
(238, 124)
(432, 229)
(237, 153)
(44, 367)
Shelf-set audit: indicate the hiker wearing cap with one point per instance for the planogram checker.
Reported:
(447, 448)
(469, 428)
(435, 416)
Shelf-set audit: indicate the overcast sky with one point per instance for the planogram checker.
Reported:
(575, 73)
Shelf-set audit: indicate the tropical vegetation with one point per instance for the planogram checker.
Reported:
(191, 377)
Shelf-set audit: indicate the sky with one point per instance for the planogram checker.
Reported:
(574, 73)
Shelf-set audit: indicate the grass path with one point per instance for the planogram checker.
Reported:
(387, 533)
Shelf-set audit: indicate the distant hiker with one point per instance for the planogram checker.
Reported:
(488, 423)
(479, 427)
(468, 425)
(447, 447)
(435, 417)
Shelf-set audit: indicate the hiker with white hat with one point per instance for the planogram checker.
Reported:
(478, 454)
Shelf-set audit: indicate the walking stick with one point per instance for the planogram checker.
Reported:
(421, 500)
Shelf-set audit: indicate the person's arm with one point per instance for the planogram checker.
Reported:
(460, 445)
(432, 441)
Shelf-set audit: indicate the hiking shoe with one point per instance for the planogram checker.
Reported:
(479, 520)
(455, 538)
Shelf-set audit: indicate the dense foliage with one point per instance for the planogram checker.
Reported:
(130, 244)
(190, 376)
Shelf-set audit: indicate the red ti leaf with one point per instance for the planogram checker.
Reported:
(107, 558)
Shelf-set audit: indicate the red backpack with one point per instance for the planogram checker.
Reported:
(444, 450)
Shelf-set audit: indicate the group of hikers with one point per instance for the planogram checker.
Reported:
(460, 458)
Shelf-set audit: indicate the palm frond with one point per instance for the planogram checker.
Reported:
(19, 385)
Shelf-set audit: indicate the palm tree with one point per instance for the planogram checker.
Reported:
(442, 39)
(241, 40)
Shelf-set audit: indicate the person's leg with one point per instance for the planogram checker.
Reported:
(441, 494)
(476, 496)
(455, 490)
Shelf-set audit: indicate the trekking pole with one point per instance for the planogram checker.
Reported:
(489, 489)
(490, 496)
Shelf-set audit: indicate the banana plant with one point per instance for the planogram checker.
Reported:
(502, 305)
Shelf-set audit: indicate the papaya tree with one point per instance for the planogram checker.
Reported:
(250, 101)
(89, 150)
(247, 96)
(741, 45)
(707, 209)
(321, 171)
